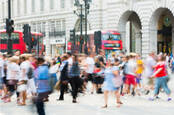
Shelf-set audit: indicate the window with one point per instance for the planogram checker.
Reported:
(18, 7)
(33, 5)
(5, 36)
(25, 6)
(33, 27)
(52, 29)
(43, 27)
(63, 25)
(39, 27)
(51, 4)
(41, 5)
(58, 26)
(62, 3)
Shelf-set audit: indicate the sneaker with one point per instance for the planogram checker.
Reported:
(60, 99)
(157, 97)
(147, 92)
(74, 101)
(169, 99)
(151, 99)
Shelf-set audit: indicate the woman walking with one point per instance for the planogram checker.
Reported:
(109, 86)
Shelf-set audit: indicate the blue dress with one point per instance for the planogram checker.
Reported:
(108, 82)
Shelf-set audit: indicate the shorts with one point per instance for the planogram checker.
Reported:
(90, 77)
(130, 80)
(98, 80)
(138, 80)
(22, 87)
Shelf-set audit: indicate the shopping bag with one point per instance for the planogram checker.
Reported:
(117, 81)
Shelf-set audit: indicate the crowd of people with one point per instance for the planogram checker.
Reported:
(37, 77)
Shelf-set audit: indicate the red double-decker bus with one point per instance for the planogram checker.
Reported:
(111, 41)
(19, 44)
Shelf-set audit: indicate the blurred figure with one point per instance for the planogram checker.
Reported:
(161, 76)
(42, 84)
(90, 64)
(149, 64)
(130, 75)
(23, 78)
(63, 76)
(98, 79)
(13, 71)
(53, 73)
(109, 86)
(75, 77)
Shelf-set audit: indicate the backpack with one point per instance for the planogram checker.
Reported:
(30, 73)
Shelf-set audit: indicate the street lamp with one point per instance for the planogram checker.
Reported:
(79, 4)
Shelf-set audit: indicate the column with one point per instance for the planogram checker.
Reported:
(138, 43)
(145, 42)
(48, 47)
(153, 40)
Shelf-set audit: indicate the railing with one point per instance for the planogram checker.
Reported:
(57, 33)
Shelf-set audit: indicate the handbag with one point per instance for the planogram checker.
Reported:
(117, 81)
(12, 82)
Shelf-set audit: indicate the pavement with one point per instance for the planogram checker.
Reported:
(90, 104)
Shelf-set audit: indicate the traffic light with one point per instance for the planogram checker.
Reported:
(98, 40)
(28, 37)
(72, 35)
(9, 26)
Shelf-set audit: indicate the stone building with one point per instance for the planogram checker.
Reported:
(145, 25)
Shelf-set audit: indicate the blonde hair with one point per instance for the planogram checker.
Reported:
(14, 59)
(26, 56)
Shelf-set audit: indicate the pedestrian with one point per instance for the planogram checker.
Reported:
(42, 84)
(53, 73)
(110, 72)
(160, 75)
(13, 71)
(130, 75)
(63, 76)
(98, 79)
(139, 71)
(75, 77)
(23, 78)
(149, 64)
(90, 64)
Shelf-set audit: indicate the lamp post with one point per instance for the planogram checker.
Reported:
(80, 4)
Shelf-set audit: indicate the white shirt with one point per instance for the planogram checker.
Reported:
(24, 67)
(54, 68)
(70, 62)
(13, 71)
(90, 65)
(131, 67)
(149, 63)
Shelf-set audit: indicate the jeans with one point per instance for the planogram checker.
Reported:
(75, 84)
(161, 82)
(53, 80)
(40, 108)
(63, 87)
(40, 104)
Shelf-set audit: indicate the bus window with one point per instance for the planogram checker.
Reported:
(115, 37)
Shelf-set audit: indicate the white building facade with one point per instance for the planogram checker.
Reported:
(145, 25)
